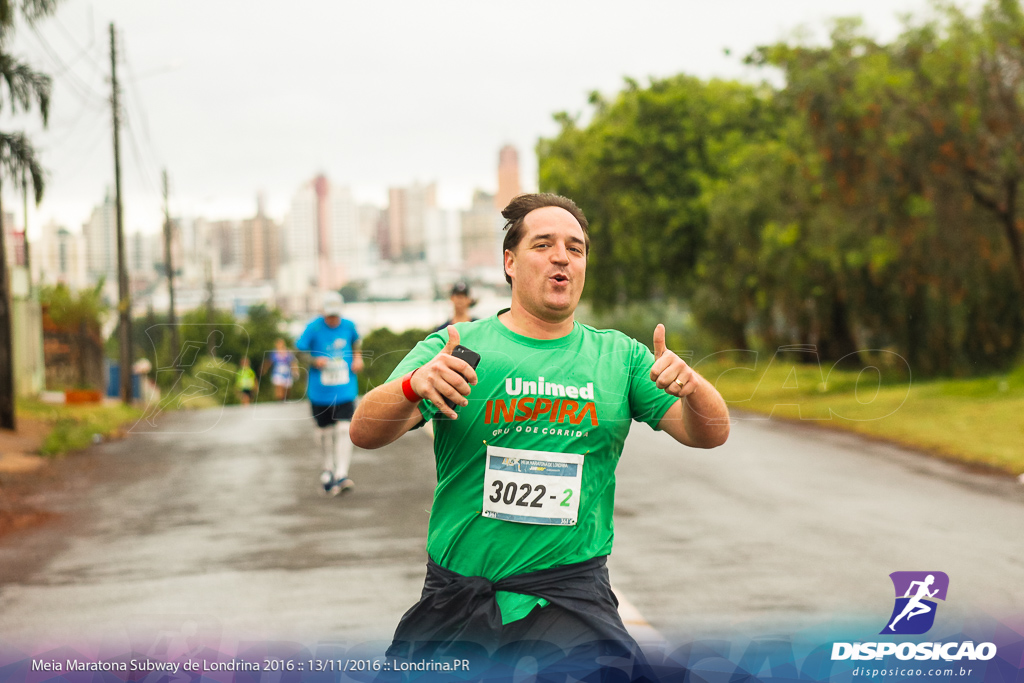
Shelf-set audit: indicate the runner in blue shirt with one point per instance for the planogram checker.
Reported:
(331, 343)
(282, 369)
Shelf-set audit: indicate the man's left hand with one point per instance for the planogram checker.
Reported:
(670, 372)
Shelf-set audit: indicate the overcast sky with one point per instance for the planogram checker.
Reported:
(235, 98)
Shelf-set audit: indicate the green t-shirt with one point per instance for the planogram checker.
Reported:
(542, 397)
(246, 379)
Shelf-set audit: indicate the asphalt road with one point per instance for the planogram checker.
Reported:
(210, 524)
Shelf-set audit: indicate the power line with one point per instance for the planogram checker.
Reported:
(148, 180)
(80, 88)
(91, 133)
(83, 51)
(136, 99)
(136, 104)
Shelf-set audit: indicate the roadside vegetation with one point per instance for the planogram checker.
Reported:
(975, 421)
(73, 427)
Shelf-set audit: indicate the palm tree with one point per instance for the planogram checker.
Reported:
(25, 87)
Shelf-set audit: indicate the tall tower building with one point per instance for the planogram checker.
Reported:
(395, 219)
(508, 177)
(323, 232)
(261, 246)
(349, 246)
(323, 245)
(227, 248)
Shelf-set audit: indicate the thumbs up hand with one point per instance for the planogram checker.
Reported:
(670, 372)
(445, 376)
(453, 340)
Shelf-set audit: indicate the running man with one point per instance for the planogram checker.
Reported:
(915, 605)
(332, 345)
(526, 460)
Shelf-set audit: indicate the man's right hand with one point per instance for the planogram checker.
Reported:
(445, 376)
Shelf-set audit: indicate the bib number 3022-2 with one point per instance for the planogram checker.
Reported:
(532, 487)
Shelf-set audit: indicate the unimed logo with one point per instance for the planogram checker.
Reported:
(916, 593)
(913, 614)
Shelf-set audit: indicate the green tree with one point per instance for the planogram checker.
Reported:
(77, 317)
(973, 70)
(72, 309)
(382, 351)
(882, 119)
(640, 168)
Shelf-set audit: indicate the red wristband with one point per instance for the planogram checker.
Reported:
(410, 395)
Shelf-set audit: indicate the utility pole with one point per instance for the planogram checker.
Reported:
(210, 301)
(7, 420)
(124, 305)
(171, 320)
(28, 253)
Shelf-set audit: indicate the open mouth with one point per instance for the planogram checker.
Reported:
(559, 278)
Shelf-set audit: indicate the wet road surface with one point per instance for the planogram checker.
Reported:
(211, 522)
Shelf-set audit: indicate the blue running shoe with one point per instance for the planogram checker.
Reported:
(341, 486)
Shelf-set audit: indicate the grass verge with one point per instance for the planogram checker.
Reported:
(72, 427)
(976, 421)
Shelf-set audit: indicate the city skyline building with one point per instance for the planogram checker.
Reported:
(443, 229)
(327, 241)
(14, 240)
(58, 257)
(408, 248)
(300, 241)
(481, 233)
(406, 217)
(142, 258)
(347, 247)
(100, 235)
(261, 245)
(508, 177)
(323, 233)
(224, 238)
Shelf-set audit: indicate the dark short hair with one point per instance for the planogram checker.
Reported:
(515, 214)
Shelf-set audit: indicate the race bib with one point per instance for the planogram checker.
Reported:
(532, 487)
(334, 373)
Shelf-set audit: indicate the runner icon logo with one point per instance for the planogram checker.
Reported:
(916, 592)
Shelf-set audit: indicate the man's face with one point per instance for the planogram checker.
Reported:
(549, 266)
(332, 320)
(461, 302)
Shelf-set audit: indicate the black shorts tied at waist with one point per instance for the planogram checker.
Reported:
(454, 608)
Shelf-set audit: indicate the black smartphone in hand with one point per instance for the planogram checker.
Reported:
(468, 355)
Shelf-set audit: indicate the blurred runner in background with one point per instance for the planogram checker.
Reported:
(332, 345)
(282, 369)
(462, 301)
(245, 382)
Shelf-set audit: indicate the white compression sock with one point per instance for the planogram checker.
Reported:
(342, 450)
(327, 436)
